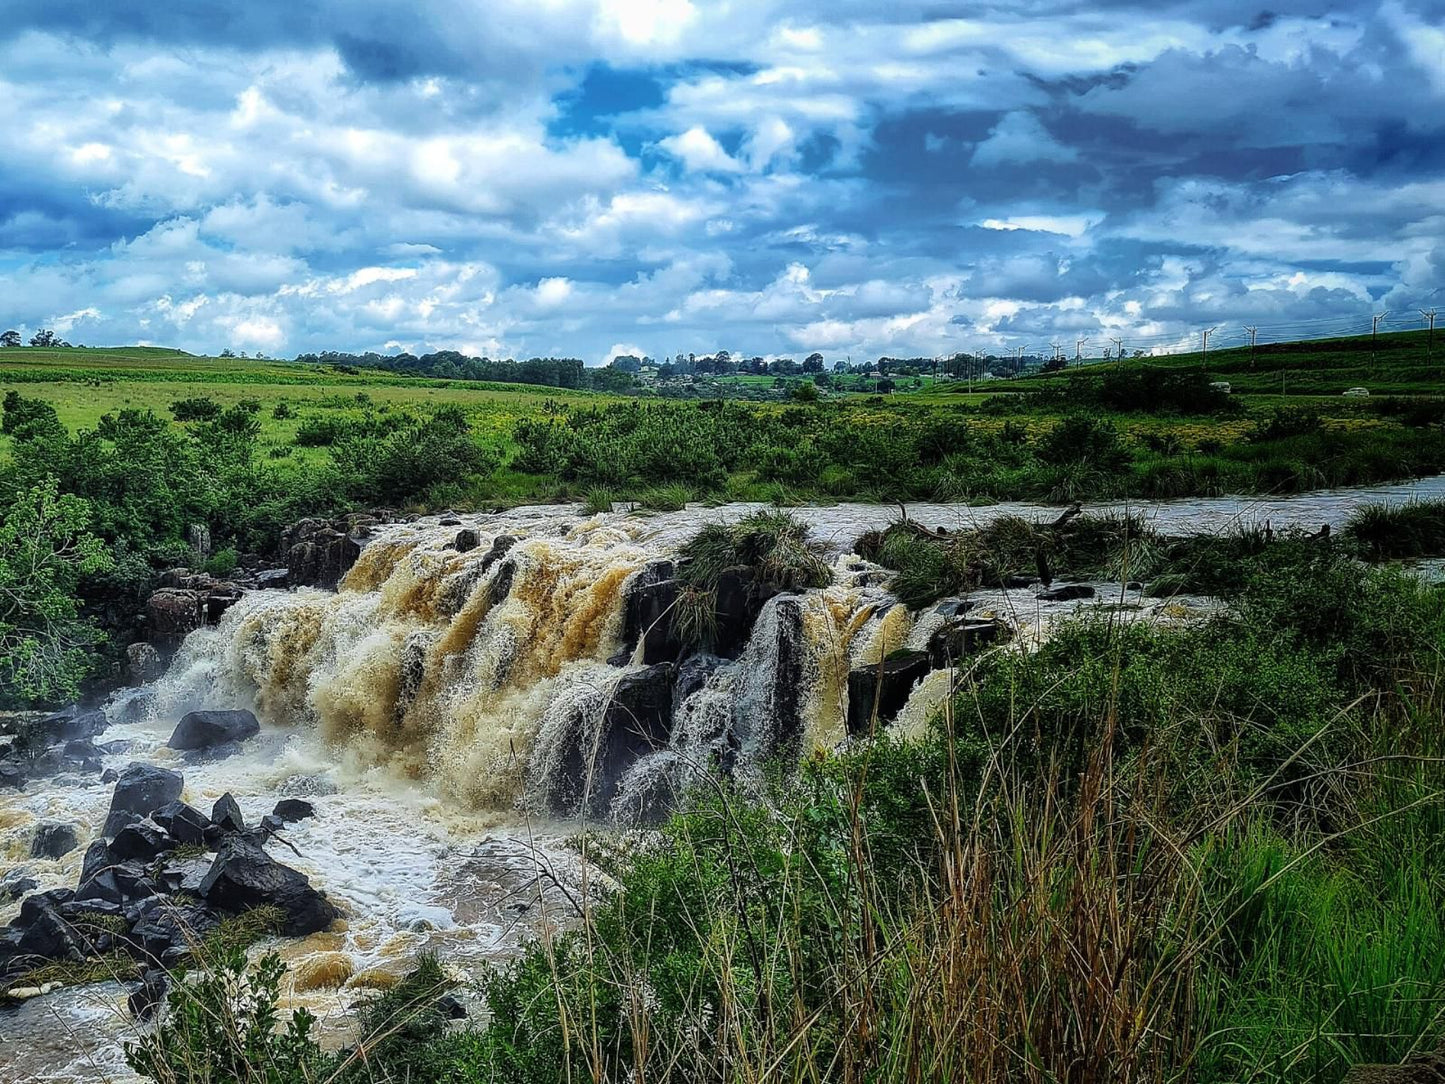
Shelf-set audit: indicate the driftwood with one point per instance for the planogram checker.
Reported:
(937, 534)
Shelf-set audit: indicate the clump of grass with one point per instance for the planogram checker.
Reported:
(772, 544)
(240, 932)
(596, 500)
(1409, 530)
(672, 497)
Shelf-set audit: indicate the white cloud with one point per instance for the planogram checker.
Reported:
(1020, 138)
(700, 151)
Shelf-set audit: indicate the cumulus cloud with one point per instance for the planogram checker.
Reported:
(581, 176)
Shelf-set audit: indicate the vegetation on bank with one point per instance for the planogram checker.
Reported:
(1209, 853)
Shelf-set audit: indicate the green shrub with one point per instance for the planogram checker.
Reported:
(222, 563)
(199, 408)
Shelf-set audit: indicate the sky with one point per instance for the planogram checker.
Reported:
(590, 177)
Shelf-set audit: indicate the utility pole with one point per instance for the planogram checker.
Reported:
(1429, 315)
(1204, 358)
(1119, 349)
(1253, 335)
(1019, 364)
(1375, 332)
(1058, 348)
(1079, 345)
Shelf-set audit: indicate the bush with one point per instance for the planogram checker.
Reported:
(198, 408)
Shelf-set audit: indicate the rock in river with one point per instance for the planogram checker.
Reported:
(205, 729)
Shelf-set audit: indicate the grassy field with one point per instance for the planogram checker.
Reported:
(1398, 363)
(83, 385)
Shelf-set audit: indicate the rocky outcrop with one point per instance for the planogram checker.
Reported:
(140, 894)
(319, 552)
(962, 637)
(172, 613)
(635, 720)
(881, 690)
(649, 615)
(1068, 592)
(143, 663)
(207, 729)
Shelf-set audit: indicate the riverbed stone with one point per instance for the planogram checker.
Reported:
(140, 791)
(244, 876)
(886, 686)
(211, 728)
(53, 840)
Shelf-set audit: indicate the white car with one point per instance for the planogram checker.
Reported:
(1357, 393)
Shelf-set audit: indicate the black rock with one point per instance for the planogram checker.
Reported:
(142, 842)
(636, 720)
(1018, 583)
(272, 823)
(46, 933)
(649, 614)
(120, 882)
(16, 885)
(885, 687)
(449, 521)
(226, 813)
(97, 857)
(244, 876)
(73, 723)
(450, 1007)
(954, 607)
(147, 995)
(53, 840)
(183, 824)
(291, 810)
(204, 729)
(961, 638)
(12, 774)
(165, 935)
(110, 775)
(1069, 592)
(273, 578)
(467, 540)
(140, 791)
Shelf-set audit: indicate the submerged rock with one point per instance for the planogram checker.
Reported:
(1069, 592)
(291, 810)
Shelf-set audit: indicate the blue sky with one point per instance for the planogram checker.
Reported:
(583, 177)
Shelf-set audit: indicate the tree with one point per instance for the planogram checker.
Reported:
(44, 337)
(10, 338)
(813, 363)
(806, 393)
(45, 548)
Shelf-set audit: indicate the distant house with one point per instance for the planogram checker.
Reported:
(647, 374)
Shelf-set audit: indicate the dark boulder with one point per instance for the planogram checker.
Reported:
(16, 884)
(206, 729)
(650, 615)
(963, 637)
(45, 933)
(146, 996)
(244, 876)
(273, 579)
(140, 791)
(740, 597)
(97, 857)
(73, 724)
(142, 842)
(1068, 592)
(187, 826)
(883, 689)
(53, 840)
(12, 774)
(635, 720)
(123, 883)
(164, 936)
(319, 554)
(467, 539)
(291, 810)
(226, 814)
